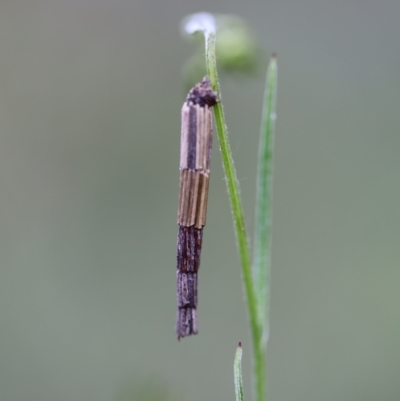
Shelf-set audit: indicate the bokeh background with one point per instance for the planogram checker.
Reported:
(90, 98)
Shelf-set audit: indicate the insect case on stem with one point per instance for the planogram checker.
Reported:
(196, 143)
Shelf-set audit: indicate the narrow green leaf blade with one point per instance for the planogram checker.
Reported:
(262, 238)
(237, 373)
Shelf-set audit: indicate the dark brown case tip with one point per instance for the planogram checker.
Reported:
(202, 94)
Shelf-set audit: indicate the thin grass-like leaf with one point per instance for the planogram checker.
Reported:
(237, 373)
(262, 237)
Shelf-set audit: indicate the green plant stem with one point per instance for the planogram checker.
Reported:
(240, 230)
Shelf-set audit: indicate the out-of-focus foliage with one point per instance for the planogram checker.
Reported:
(236, 48)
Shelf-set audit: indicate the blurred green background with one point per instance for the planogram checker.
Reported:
(90, 99)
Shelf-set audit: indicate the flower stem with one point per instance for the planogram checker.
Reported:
(240, 229)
